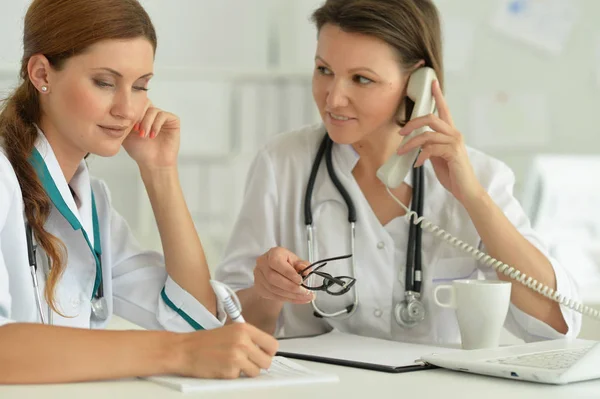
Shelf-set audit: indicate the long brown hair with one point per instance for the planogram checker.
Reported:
(412, 27)
(58, 29)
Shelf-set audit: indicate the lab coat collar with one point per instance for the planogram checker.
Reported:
(344, 159)
(54, 179)
(347, 157)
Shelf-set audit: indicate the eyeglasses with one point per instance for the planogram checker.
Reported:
(332, 285)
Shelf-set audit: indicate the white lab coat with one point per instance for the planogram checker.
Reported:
(136, 286)
(272, 215)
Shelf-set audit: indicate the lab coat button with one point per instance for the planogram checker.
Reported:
(377, 312)
(380, 245)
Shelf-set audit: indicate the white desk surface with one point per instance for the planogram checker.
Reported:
(354, 383)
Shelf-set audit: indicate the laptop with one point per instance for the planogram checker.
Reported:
(560, 361)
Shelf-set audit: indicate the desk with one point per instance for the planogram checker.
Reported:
(354, 383)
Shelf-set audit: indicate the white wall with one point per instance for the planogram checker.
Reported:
(236, 78)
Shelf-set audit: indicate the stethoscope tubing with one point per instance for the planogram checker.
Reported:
(413, 266)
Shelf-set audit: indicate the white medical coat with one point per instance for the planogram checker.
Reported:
(272, 215)
(136, 284)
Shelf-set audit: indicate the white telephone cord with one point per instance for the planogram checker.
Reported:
(487, 260)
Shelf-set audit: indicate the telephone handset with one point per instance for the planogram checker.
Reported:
(395, 169)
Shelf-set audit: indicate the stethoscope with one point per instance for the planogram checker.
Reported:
(408, 312)
(99, 304)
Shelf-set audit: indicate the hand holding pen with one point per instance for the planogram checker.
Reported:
(228, 352)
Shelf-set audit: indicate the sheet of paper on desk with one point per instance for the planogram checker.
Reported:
(338, 345)
(282, 372)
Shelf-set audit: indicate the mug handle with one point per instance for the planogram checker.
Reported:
(450, 289)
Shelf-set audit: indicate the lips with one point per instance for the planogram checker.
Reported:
(338, 117)
(339, 120)
(114, 131)
(113, 127)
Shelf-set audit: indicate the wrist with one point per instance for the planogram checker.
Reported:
(149, 171)
(269, 306)
(477, 202)
(174, 352)
(159, 177)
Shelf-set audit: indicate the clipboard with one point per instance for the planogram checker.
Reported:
(343, 349)
(418, 366)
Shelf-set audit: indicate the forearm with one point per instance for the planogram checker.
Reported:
(184, 256)
(260, 312)
(36, 353)
(504, 242)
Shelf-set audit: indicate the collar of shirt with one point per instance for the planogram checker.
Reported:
(80, 184)
(344, 159)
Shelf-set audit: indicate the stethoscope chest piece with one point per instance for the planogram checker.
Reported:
(410, 311)
(100, 308)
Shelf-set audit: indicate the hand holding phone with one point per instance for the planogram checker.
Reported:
(395, 169)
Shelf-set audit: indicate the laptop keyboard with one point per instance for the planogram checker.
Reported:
(553, 360)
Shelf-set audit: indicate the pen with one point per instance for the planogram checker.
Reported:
(230, 301)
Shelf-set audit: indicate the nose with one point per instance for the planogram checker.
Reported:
(123, 107)
(337, 97)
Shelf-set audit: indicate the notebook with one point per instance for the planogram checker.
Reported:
(282, 372)
(350, 350)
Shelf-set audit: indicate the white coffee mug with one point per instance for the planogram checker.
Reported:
(481, 308)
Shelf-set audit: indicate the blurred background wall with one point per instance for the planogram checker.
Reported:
(522, 82)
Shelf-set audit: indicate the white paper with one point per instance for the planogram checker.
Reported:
(338, 345)
(283, 372)
(506, 120)
(545, 24)
(458, 34)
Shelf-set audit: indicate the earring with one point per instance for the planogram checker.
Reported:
(44, 89)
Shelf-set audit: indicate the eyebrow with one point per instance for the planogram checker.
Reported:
(117, 73)
(358, 69)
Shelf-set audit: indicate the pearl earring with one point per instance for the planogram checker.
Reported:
(44, 89)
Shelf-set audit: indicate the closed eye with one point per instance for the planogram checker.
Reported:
(101, 83)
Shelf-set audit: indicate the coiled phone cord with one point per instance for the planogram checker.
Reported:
(497, 265)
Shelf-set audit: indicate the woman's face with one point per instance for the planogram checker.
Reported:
(357, 84)
(96, 98)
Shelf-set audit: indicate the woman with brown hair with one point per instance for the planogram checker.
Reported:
(316, 193)
(85, 73)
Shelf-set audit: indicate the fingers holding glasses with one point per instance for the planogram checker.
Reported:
(276, 287)
(302, 267)
(328, 283)
(276, 278)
